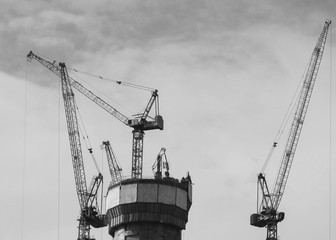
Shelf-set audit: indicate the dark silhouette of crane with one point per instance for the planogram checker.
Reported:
(267, 213)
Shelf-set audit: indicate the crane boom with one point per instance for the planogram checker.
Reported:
(115, 170)
(79, 87)
(267, 214)
(89, 215)
(74, 137)
(300, 114)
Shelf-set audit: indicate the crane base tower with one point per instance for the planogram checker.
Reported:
(148, 209)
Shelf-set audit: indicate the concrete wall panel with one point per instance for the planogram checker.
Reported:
(167, 194)
(190, 191)
(128, 193)
(147, 192)
(181, 198)
(113, 198)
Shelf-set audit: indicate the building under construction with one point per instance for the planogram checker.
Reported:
(148, 209)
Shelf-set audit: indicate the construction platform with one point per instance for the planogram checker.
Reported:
(148, 209)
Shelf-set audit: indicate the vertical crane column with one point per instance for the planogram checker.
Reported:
(137, 153)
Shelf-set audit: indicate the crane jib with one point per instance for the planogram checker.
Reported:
(79, 87)
(267, 213)
(299, 117)
(74, 137)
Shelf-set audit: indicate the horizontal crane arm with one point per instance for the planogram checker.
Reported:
(79, 87)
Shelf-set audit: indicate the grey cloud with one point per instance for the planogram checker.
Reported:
(70, 30)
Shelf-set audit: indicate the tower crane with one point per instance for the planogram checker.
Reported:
(115, 170)
(89, 213)
(140, 124)
(267, 213)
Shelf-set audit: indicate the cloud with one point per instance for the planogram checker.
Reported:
(223, 70)
(87, 29)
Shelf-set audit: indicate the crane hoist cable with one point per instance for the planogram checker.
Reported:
(331, 137)
(130, 111)
(86, 138)
(128, 84)
(288, 115)
(267, 215)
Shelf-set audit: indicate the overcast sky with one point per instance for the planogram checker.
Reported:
(225, 71)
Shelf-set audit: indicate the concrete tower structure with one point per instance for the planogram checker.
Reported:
(148, 209)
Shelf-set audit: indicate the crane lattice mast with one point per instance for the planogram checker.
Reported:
(268, 214)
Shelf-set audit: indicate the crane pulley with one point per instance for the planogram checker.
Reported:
(267, 214)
